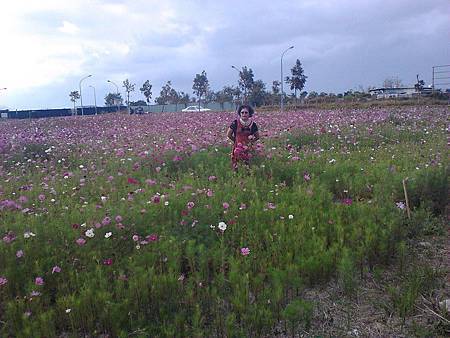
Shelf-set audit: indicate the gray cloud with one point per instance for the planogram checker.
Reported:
(342, 44)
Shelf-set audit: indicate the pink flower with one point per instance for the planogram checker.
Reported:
(41, 197)
(306, 177)
(245, 251)
(39, 281)
(23, 199)
(225, 205)
(150, 182)
(158, 169)
(106, 221)
(243, 206)
(3, 280)
(56, 269)
(118, 218)
(347, 201)
(81, 241)
(271, 205)
(212, 178)
(190, 205)
(132, 180)
(108, 261)
(135, 238)
(210, 193)
(152, 237)
(177, 158)
(156, 199)
(19, 254)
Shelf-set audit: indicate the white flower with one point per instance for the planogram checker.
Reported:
(104, 198)
(222, 226)
(90, 233)
(400, 205)
(108, 234)
(291, 216)
(166, 203)
(68, 310)
(28, 234)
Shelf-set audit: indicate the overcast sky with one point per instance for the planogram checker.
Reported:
(47, 46)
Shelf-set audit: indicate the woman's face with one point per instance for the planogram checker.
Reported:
(245, 115)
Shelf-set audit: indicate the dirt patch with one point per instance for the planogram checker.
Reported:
(371, 312)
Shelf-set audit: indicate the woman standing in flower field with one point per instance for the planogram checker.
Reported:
(243, 132)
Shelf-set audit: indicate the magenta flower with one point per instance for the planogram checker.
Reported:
(118, 218)
(3, 280)
(23, 199)
(152, 237)
(41, 197)
(271, 205)
(156, 199)
(347, 201)
(190, 205)
(225, 205)
(106, 221)
(108, 261)
(212, 178)
(135, 238)
(132, 180)
(81, 241)
(19, 253)
(306, 177)
(243, 206)
(56, 269)
(210, 193)
(245, 251)
(39, 281)
(150, 182)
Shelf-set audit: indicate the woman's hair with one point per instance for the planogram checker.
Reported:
(249, 108)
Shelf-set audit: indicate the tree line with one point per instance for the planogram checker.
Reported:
(248, 90)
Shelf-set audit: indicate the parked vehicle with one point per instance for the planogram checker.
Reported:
(195, 108)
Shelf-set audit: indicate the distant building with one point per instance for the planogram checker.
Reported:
(386, 93)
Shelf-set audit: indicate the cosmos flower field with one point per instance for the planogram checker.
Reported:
(136, 225)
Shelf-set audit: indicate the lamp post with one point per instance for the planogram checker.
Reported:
(245, 91)
(81, 96)
(282, 93)
(95, 99)
(117, 91)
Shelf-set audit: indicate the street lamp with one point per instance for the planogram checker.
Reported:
(245, 90)
(282, 93)
(117, 91)
(81, 96)
(95, 99)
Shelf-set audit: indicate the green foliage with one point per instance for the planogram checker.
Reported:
(347, 274)
(298, 312)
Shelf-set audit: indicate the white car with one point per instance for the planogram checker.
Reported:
(195, 108)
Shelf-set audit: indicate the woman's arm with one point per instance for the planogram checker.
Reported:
(230, 134)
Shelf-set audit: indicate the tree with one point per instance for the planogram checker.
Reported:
(275, 91)
(200, 86)
(165, 95)
(258, 95)
(298, 79)
(224, 95)
(113, 99)
(138, 103)
(174, 98)
(419, 85)
(246, 81)
(392, 82)
(129, 87)
(74, 96)
(146, 89)
(184, 98)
